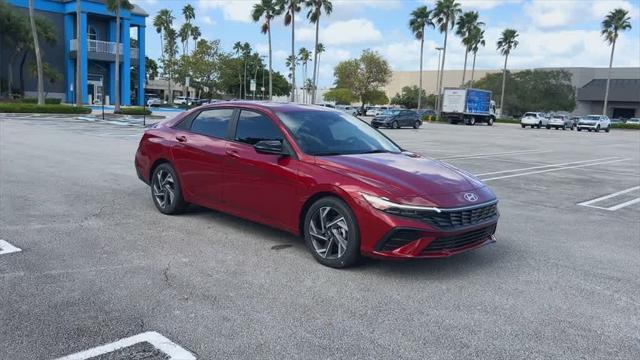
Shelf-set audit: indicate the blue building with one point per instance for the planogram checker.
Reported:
(98, 51)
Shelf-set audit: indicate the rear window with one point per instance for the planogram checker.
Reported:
(530, 115)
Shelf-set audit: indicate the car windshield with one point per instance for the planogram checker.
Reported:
(593, 117)
(324, 133)
(391, 112)
(529, 115)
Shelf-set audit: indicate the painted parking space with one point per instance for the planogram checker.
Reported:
(7, 248)
(149, 345)
(615, 201)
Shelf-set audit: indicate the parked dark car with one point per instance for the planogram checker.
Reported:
(319, 173)
(397, 118)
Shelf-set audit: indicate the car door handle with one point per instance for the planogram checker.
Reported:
(181, 138)
(233, 153)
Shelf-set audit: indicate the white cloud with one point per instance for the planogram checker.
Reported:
(355, 31)
(547, 14)
(486, 4)
(208, 20)
(234, 10)
(602, 7)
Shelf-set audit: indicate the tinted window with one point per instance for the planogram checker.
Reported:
(212, 122)
(334, 133)
(254, 127)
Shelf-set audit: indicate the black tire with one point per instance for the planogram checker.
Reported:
(375, 126)
(539, 125)
(607, 129)
(417, 124)
(572, 127)
(548, 127)
(598, 128)
(579, 128)
(523, 125)
(351, 254)
(472, 121)
(395, 125)
(589, 129)
(159, 181)
(564, 127)
(490, 122)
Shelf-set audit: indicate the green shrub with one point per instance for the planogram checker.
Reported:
(42, 109)
(626, 126)
(46, 101)
(134, 110)
(508, 121)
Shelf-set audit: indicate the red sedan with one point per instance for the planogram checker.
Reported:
(319, 173)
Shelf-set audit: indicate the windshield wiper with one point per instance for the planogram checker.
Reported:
(376, 151)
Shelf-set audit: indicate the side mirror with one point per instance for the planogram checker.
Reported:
(270, 147)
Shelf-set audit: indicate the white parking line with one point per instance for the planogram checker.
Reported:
(615, 207)
(6, 248)
(523, 152)
(160, 342)
(554, 169)
(547, 166)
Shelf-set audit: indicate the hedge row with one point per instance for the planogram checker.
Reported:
(134, 110)
(626, 126)
(46, 101)
(42, 109)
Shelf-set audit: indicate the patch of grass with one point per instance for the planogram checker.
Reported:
(133, 110)
(508, 121)
(10, 107)
(626, 126)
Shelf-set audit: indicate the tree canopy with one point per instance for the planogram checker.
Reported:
(408, 97)
(533, 90)
(364, 76)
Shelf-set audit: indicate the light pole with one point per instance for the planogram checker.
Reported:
(255, 76)
(439, 49)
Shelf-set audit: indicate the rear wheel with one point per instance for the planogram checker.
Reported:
(598, 128)
(417, 124)
(523, 125)
(395, 125)
(331, 233)
(548, 127)
(166, 191)
(607, 129)
(472, 121)
(564, 127)
(539, 125)
(579, 129)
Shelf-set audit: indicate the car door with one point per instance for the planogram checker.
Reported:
(200, 152)
(259, 186)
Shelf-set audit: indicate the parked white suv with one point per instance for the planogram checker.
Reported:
(595, 122)
(534, 119)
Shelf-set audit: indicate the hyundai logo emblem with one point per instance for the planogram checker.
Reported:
(471, 197)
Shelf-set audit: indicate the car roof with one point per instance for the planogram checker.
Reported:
(273, 106)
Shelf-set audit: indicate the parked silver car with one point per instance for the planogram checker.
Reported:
(595, 123)
(533, 119)
(559, 121)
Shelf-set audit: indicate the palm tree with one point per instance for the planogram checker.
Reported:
(291, 63)
(171, 49)
(185, 34)
(237, 47)
(467, 23)
(290, 8)
(444, 15)
(267, 10)
(161, 21)
(315, 10)
(420, 19)
(505, 44)
(36, 47)
(78, 58)
(476, 40)
(115, 6)
(304, 56)
(195, 35)
(616, 21)
(246, 52)
(319, 50)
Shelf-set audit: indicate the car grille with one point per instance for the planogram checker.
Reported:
(453, 219)
(399, 238)
(459, 241)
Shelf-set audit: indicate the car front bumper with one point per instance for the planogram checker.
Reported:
(397, 237)
(588, 126)
(375, 122)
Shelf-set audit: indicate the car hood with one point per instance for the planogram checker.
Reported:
(404, 175)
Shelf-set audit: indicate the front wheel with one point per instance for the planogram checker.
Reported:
(539, 125)
(490, 122)
(523, 125)
(166, 191)
(417, 124)
(395, 125)
(598, 128)
(579, 128)
(607, 129)
(331, 233)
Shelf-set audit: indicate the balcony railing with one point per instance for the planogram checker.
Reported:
(103, 47)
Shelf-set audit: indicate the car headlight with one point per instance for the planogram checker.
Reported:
(390, 207)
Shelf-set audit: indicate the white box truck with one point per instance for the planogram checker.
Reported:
(469, 106)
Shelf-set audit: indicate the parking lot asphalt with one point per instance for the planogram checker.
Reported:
(99, 263)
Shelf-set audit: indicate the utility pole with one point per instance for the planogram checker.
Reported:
(437, 104)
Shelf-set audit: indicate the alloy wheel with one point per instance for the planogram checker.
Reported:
(329, 233)
(164, 189)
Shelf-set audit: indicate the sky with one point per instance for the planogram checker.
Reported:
(553, 33)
